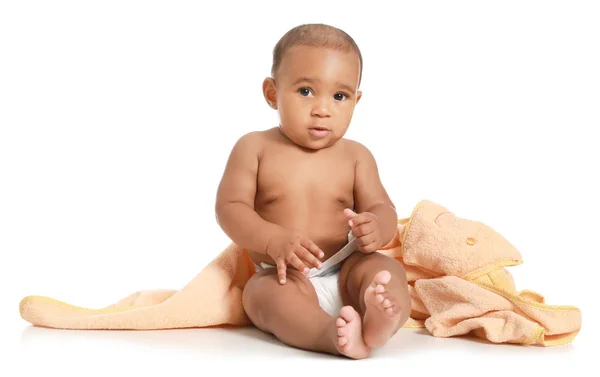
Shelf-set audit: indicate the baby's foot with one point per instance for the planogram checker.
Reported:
(349, 334)
(382, 312)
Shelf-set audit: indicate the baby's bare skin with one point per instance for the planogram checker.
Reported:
(290, 195)
(305, 190)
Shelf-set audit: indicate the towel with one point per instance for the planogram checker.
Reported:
(457, 278)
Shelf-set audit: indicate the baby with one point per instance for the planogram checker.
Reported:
(309, 207)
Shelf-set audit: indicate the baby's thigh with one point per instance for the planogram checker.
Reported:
(263, 294)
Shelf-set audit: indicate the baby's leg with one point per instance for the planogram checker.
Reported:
(376, 285)
(292, 313)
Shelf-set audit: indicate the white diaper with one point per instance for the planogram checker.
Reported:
(325, 280)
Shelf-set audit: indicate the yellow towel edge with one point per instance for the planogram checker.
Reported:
(559, 341)
(514, 298)
(505, 262)
(408, 224)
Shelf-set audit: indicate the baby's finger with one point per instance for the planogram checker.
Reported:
(369, 248)
(312, 247)
(281, 269)
(311, 259)
(362, 218)
(365, 240)
(349, 213)
(296, 262)
(363, 230)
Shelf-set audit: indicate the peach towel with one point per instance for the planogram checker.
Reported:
(457, 278)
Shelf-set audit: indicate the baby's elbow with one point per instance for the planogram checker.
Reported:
(221, 211)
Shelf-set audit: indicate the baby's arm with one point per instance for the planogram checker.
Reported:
(370, 197)
(235, 197)
(239, 220)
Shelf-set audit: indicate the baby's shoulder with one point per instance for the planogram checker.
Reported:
(252, 137)
(251, 142)
(355, 148)
(259, 137)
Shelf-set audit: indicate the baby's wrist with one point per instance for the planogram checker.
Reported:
(271, 232)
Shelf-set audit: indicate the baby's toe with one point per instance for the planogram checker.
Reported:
(386, 304)
(382, 277)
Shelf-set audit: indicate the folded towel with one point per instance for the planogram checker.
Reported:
(457, 278)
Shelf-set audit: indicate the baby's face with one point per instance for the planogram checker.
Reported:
(316, 92)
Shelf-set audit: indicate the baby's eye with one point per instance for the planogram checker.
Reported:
(304, 91)
(337, 96)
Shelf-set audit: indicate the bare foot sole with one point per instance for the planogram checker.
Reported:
(382, 314)
(349, 334)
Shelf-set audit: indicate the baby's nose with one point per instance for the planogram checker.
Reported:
(321, 109)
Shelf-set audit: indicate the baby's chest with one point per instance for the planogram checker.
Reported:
(305, 178)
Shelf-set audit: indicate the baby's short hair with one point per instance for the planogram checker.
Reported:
(315, 35)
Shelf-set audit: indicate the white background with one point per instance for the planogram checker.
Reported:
(117, 117)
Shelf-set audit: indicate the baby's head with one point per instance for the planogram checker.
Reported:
(314, 84)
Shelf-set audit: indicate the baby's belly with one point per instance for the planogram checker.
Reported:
(323, 223)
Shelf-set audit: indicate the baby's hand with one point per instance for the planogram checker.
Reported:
(365, 227)
(293, 248)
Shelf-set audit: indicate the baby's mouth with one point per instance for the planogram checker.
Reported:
(318, 131)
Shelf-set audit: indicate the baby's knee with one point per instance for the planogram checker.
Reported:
(391, 264)
(375, 262)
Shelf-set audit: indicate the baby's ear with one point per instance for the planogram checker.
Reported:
(270, 92)
(358, 96)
